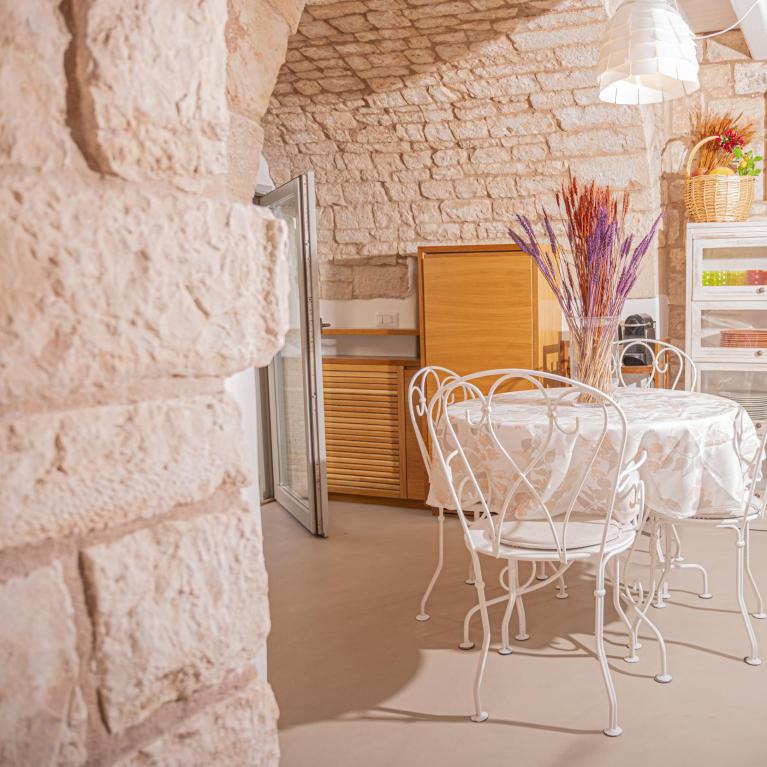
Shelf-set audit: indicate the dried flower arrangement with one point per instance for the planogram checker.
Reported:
(732, 129)
(592, 274)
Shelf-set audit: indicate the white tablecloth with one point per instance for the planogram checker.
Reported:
(692, 466)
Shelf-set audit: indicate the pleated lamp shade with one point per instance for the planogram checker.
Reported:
(647, 55)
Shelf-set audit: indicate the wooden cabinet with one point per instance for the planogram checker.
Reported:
(480, 308)
(485, 307)
(371, 448)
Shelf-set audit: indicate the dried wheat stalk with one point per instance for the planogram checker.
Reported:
(704, 124)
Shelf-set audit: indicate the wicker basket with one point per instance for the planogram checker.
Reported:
(717, 198)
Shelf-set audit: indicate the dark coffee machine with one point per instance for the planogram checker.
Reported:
(640, 327)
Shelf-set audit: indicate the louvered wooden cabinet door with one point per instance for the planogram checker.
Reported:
(364, 429)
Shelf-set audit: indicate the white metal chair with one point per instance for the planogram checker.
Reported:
(666, 360)
(739, 522)
(557, 535)
(424, 384)
(666, 370)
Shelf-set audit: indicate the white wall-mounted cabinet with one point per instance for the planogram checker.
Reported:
(726, 329)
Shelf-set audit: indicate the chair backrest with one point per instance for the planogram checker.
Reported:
(667, 361)
(423, 385)
(505, 451)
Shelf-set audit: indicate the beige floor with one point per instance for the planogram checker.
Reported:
(360, 683)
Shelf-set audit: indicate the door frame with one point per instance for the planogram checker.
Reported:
(314, 515)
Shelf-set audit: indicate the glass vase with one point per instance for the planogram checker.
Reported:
(591, 352)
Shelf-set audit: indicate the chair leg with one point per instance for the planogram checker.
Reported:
(679, 564)
(666, 557)
(423, 615)
(522, 634)
(664, 677)
(617, 598)
(705, 593)
(655, 555)
(759, 614)
(470, 575)
(480, 715)
(513, 576)
(613, 730)
(467, 644)
(753, 659)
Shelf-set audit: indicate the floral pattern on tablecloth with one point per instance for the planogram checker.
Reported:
(698, 448)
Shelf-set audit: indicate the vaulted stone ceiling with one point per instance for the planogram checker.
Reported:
(356, 46)
(436, 122)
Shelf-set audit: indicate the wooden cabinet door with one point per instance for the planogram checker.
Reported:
(364, 429)
(477, 310)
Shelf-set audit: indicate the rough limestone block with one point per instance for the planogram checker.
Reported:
(245, 140)
(236, 732)
(42, 714)
(84, 470)
(751, 77)
(381, 281)
(136, 283)
(173, 126)
(33, 40)
(256, 38)
(290, 10)
(176, 608)
(730, 46)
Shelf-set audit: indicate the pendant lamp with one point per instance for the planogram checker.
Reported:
(647, 55)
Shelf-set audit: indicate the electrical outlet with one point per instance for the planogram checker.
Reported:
(387, 320)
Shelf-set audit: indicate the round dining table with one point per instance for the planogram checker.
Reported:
(698, 448)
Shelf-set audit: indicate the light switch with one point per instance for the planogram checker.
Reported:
(387, 320)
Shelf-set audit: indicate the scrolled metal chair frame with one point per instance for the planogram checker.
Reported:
(664, 355)
(457, 468)
(418, 400)
(754, 508)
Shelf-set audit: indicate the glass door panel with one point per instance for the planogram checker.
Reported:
(724, 267)
(744, 385)
(294, 375)
(734, 330)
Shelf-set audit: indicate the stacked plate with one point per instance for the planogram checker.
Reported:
(743, 339)
(755, 404)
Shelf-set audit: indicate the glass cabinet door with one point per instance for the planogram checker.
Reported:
(746, 386)
(730, 267)
(730, 330)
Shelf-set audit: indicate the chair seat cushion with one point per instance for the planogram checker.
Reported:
(537, 533)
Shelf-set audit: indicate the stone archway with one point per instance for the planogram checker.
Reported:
(132, 587)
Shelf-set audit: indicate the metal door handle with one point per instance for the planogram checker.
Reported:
(760, 290)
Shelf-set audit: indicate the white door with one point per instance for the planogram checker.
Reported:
(294, 377)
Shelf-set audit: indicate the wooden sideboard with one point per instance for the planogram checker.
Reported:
(484, 308)
(370, 443)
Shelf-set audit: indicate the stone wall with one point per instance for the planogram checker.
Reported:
(435, 122)
(133, 594)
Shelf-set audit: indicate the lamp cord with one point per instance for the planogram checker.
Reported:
(722, 31)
